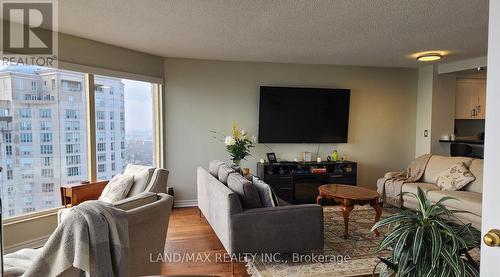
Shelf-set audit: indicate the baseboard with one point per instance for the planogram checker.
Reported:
(185, 203)
(33, 243)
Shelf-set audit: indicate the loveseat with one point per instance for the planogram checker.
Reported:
(244, 230)
(468, 198)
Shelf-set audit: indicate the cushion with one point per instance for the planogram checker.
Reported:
(117, 188)
(223, 174)
(476, 168)
(142, 174)
(465, 200)
(438, 164)
(213, 167)
(454, 178)
(139, 200)
(266, 193)
(246, 191)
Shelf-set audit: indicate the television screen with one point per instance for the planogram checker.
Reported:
(303, 115)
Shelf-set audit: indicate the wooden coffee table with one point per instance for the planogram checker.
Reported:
(348, 196)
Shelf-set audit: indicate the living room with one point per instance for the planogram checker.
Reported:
(169, 90)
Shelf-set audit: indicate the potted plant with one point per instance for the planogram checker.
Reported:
(428, 242)
(238, 145)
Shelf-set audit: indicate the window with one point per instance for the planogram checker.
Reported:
(101, 146)
(26, 150)
(72, 137)
(47, 187)
(72, 148)
(45, 126)
(19, 84)
(73, 160)
(46, 161)
(7, 137)
(26, 162)
(46, 137)
(71, 114)
(133, 137)
(101, 136)
(25, 113)
(25, 126)
(26, 137)
(47, 173)
(72, 125)
(45, 113)
(45, 149)
(44, 144)
(100, 115)
(101, 125)
(10, 174)
(73, 171)
(8, 150)
(71, 85)
(101, 157)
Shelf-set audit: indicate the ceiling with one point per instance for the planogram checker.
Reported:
(347, 32)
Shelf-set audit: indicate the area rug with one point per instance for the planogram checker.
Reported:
(354, 256)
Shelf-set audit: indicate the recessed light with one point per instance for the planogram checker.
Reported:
(429, 57)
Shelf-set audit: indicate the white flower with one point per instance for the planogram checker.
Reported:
(229, 140)
(254, 139)
(243, 133)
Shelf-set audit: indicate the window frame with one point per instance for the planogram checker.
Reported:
(158, 128)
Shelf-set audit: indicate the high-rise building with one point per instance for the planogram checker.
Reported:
(43, 141)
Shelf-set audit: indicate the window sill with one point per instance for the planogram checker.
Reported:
(31, 216)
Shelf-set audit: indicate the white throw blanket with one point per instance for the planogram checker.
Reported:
(92, 238)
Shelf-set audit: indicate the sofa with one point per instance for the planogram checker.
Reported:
(241, 230)
(468, 198)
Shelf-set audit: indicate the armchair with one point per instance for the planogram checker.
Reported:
(147, 179)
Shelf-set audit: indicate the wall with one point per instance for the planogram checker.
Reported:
(209, 95)
(424, 110)
(435, 110)
(443, 112)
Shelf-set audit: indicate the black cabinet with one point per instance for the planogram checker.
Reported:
(298, 183)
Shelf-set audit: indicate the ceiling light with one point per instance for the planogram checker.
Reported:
(429, 57)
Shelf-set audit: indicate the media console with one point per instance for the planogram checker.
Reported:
(298, 182)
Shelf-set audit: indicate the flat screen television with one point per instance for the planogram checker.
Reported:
(303, 115)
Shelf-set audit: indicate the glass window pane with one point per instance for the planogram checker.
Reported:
(124, 124)
(42, 136)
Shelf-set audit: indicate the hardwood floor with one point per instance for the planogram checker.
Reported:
(193, 240)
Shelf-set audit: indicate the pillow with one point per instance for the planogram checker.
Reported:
(213, 167)
(223, 174)
(117, 188)
(142, 175)
(246, 191)
(266, 193)
(454, 178)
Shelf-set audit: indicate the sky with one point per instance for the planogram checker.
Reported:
(138, 106)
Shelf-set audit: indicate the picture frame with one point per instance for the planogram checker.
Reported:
(271, 157)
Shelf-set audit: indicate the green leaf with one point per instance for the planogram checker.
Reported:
(417, 242)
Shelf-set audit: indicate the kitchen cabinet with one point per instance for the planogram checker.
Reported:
(470, 99)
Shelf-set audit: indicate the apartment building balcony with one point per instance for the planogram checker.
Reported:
(36, 98)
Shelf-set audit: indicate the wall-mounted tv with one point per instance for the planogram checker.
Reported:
(303, 115)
